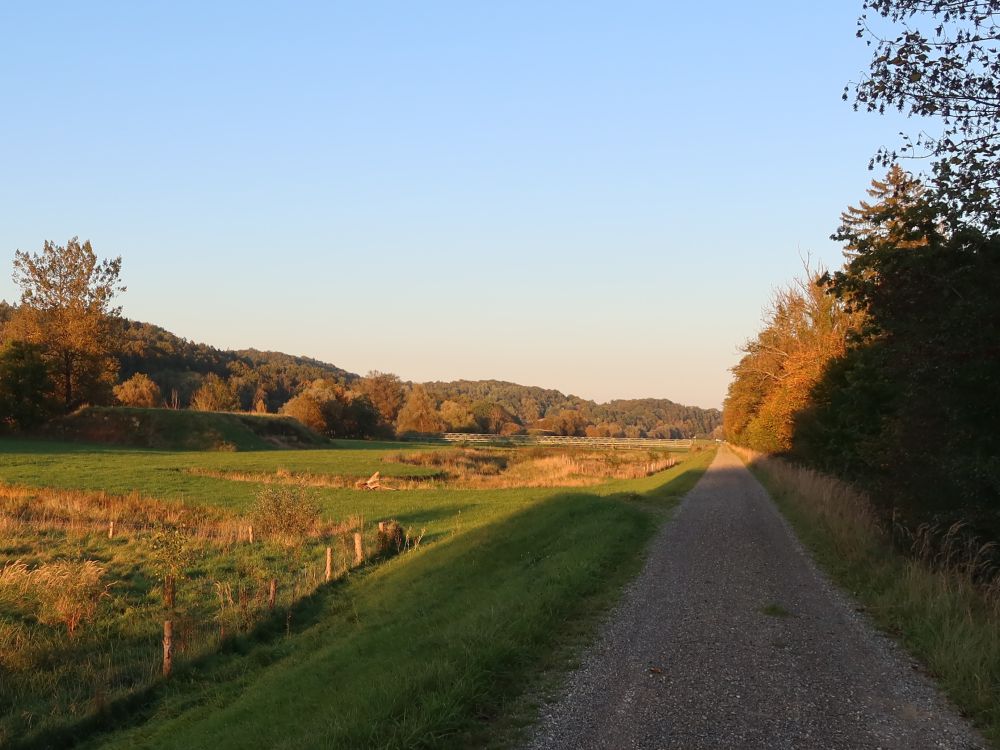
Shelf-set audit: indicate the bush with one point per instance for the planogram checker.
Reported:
(391, 538)
(139, 390)
(215, 394)
(285, 513)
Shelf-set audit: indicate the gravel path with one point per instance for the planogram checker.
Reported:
(691, 660)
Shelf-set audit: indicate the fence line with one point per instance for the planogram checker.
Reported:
(587, 442)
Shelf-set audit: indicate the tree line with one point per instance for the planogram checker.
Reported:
(886, 370)
(65, 345)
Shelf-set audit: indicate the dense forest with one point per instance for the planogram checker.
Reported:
(178, 367)
(140, 364)
(552, 411)
(887, 370)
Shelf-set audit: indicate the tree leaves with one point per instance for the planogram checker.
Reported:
(947, 73)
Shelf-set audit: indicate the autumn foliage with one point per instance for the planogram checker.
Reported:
(139, 390)
(805, 329)
(887, 371)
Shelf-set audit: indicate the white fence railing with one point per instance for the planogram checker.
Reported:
(583, 442)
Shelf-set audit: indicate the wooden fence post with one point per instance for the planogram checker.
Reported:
(168, 591)
(168, 647)
(359, 552)
(329, 563)
(272, 593)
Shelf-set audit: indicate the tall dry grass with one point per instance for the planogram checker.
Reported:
(63, 592)
(81, 513)
(478, 468)
(481, 468)
(936, 589)
(81, 614)
(318, 481)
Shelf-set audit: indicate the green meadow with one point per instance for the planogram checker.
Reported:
(441, 644)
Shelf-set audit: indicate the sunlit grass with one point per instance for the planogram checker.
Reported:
(421, 650)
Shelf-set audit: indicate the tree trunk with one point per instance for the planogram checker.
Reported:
(68, 379)
(169, 588)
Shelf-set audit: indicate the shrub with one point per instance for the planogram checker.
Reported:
(139, 390)
(285, 513)
(215, 394)
(391, 538)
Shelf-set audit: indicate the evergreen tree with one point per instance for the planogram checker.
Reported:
(24, 386)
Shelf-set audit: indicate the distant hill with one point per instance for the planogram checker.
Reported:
(534, 406)
(178, 366)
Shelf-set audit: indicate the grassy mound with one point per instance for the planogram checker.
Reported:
(169, 429)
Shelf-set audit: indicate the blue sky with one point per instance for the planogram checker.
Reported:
(595, 197)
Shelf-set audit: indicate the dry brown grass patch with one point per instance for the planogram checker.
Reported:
(482, 468)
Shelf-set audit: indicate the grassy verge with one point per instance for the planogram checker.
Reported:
(435, 648)
(938, 609)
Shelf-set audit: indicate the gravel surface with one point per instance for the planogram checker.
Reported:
(731, 638)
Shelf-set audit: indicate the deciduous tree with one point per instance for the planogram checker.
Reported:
(419, 413)
(939, 59)
(805, 329)
(215, 394)
(67, 308)
(457, 417)
(335, 411)
(386, 393)
(308, 410)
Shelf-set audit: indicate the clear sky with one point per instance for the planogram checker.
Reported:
(594, 197)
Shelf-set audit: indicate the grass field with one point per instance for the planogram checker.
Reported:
(434, 647)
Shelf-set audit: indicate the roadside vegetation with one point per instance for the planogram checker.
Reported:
(431, 636)
(933, 588)
(884, 373)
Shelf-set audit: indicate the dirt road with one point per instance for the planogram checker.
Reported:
(730, 638)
